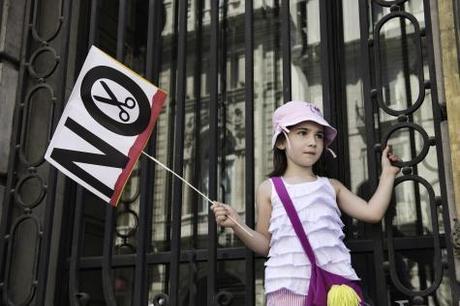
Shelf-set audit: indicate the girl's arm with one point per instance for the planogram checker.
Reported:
(260, 242)
(374, 210)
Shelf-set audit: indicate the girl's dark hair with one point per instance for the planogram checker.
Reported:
(280, 162)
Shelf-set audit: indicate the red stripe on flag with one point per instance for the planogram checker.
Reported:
(138, 146)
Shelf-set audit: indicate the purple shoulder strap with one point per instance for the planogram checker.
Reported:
(294, 217)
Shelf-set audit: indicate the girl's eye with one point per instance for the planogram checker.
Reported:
(320, 136)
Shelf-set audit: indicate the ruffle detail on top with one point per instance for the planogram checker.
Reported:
(288, 266)
(282, 227)
(325, 254)
(324, 201)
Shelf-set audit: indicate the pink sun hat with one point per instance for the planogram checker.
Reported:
(294, 112)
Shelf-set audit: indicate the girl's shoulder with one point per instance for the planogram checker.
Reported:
(336, 184)
(265, 189)
(263, 197)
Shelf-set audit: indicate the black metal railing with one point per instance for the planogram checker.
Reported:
(29, 205)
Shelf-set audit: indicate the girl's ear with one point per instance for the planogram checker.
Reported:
(280, 145)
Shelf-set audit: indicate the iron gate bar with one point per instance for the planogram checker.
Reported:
(407, 84)
(153, 57)
(334, 105)
(195, 200)
(170, 129)
(333, 90)
(170, 147)
(286, 49)
(249, 144)
(358, 246)
(75, 259)
(375, 230)
(178, 154)
(341, 112)
(213, 140)
(63, 277)
(437, 115)
(213, 154)
(222, 94)
(196, 169)
(107, 272)
(196, 175)
(146, 203)
(94, 17)
(222, 109)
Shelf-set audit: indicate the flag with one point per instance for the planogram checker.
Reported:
(105, 125)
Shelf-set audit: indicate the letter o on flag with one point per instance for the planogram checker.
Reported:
(125, 129)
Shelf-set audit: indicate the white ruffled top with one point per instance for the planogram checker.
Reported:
(288, 266)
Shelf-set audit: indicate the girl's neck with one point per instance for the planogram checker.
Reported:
(299, 175)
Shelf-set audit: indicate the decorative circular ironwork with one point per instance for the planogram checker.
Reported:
(83, 298)
(418, 300)
(425, 148)
(35, 55)
(407, 170)
(419, 64)
(126, 198)
(125, 246)
(390, 3)
(20, 184)
(132, 230)
(161, 299)
(60, 21)
(25, 122)
(436, 243)
(10, 258)
(224, 298)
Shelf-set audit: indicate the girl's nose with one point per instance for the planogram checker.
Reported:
(312, 141)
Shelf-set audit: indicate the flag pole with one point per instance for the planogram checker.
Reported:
(193, 187)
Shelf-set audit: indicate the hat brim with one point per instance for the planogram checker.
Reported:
(329, 132)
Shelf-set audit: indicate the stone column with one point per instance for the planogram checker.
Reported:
(449, 75)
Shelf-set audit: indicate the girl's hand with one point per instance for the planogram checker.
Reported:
(221, 211)
(387, 158)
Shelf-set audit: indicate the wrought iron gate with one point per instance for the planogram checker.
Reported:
(227, 65)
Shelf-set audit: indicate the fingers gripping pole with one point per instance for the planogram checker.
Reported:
(193, 187)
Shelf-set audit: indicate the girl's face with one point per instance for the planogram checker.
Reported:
(306, 144)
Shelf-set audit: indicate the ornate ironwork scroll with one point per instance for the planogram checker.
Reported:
(28, 210)
(388, 122)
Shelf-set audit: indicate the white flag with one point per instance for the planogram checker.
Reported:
(105, 125)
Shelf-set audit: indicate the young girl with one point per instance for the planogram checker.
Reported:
(300, 135)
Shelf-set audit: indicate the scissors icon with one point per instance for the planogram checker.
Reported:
(129, 103)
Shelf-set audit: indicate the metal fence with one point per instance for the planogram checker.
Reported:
(56, 235)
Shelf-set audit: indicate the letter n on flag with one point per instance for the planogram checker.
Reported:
(105, 126)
